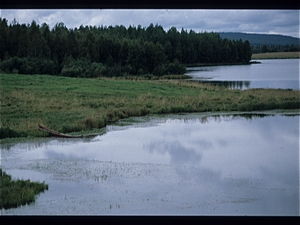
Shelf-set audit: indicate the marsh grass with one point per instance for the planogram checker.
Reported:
(276, 55)
(79, 104)
(15, 193)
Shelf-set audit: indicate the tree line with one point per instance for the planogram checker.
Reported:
(92, 51)
(275, 48)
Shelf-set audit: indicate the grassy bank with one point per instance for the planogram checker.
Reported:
(15, 193)
(277, 55)
(77, 104)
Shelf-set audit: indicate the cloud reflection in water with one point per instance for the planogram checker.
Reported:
(191, 164)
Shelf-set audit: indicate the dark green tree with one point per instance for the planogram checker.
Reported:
(72, 49)
(264, 49)
(4, 39)
(59, 35)
(46, 37)
(247, 51)
(23, 42)
(36, 41)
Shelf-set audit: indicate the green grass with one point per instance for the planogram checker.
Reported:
(15, 193)
(79, 104)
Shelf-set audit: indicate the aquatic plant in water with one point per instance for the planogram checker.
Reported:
(15, 193)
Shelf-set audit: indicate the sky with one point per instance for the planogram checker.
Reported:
(283, 22)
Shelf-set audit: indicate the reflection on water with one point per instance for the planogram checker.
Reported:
(283, 73)
(189, 164)
(229, 84)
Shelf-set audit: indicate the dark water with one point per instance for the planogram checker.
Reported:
(276, 73)
(196, 164)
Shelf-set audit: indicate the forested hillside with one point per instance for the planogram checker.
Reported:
(266, 42)
(111, 51)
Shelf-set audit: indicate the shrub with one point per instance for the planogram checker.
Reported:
(176, 68)
(11, 64)
(29, 65)
(160, 70)
(84, 68)
(72, 71)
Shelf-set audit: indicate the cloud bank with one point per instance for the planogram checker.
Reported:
(284, 22)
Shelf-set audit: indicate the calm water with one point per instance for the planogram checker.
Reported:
(277, 73)
(196, 164)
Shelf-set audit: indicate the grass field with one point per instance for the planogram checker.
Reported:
(276, 55)
(78, 104)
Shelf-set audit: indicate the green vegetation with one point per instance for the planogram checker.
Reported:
(277, 55)
(70, 105)
(111, 51)
(20, 192)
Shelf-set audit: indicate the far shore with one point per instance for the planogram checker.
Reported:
(220, 64)
(277, 55)
(267, 55)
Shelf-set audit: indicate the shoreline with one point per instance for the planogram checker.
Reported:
(276, 55)
(101, 131)
(221, 64)
(257, 56)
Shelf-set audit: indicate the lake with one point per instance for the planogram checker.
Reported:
(194, 164)
(276, 73)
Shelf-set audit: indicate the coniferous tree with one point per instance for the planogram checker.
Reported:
(4, 42)
(23, 42)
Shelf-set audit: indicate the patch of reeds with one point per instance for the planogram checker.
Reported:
(15, 193)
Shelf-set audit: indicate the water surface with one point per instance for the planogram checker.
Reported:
(273, 73)
(192, 164)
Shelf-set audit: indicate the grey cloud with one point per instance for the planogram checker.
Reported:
(285, 22)
(250, 21)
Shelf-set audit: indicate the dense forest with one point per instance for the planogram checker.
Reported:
(111, 51)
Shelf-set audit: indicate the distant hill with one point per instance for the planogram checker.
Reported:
(262, 39)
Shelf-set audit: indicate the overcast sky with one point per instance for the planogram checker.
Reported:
(284, 22)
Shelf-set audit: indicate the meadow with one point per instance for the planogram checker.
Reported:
(276, 55)
(80, 105)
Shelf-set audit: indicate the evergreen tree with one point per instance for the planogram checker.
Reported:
(264, 49)
(59, 36)
(4, 39)
(36, 42)
(23, 42)
(46, 37)
(72, 49)
(247, 51)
